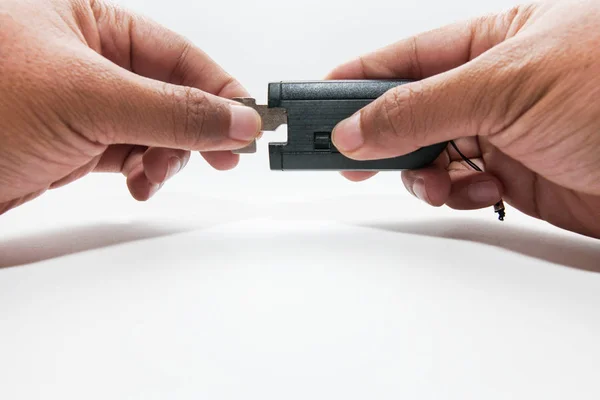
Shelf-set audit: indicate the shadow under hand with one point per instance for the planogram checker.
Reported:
(44, 246)
(583, 254)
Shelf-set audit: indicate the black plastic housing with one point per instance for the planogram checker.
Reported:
(314, 108)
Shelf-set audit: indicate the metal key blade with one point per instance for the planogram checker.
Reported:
(272, 118)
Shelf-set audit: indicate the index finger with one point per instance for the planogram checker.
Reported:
(433, 52)
(149, 49)
(430, 53)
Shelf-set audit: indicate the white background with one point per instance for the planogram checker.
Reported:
(269, 285)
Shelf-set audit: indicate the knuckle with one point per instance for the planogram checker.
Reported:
(415, 61)
(180, 69)
(112, 12)
(516, 17)
(120, 20)
(191, 125)
(230, 86)
(83, 104)
(490, 30)
(516, 84)
(97, 7)
(399, 115)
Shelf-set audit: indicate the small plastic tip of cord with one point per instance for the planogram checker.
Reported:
(500, 210)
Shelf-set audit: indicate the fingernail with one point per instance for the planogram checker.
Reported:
(245, 123)
(347, 135)
(173, 168)
(419, 190)
(483, 192)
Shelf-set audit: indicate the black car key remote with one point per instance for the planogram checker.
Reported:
(311, 109)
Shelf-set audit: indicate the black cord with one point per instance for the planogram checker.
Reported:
(498, 207)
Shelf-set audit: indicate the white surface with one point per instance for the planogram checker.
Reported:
(263, 285)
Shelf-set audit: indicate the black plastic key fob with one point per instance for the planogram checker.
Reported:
(314, 108)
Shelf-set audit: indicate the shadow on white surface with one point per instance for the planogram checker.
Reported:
(48, 245)
(565, 250)
(580, 253)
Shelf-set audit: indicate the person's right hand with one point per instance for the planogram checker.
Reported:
(521, 93)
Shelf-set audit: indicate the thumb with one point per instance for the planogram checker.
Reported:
(126, 108)
(482, 97)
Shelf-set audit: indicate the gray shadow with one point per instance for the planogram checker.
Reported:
(48, 245)
(574, 252)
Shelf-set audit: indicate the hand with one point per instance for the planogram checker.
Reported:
(85, 87)
(518, 92)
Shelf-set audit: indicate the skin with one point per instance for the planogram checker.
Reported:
(90, 87)
(517, 91)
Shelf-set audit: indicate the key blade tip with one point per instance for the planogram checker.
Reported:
(250, 149)
(272, 118)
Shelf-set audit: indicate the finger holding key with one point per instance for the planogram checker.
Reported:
(125, 108)
(449, 99)
(423, 56)
(149, 49)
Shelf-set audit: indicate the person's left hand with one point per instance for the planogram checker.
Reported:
(86, 86)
